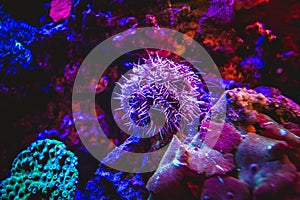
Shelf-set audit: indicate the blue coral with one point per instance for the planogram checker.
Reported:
(108, 184)
(45, 170)
(15, 40)
(254, 62)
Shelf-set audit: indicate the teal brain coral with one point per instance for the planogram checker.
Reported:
(45, 170)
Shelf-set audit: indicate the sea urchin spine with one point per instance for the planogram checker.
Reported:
(163, 86)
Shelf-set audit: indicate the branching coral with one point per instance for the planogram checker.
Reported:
(230, 72)
(45, 170)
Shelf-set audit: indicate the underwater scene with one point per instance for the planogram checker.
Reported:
(150, 99)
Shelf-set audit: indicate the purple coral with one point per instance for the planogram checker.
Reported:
(272, 129)
(228, 188)
(226, 142)
(110, 184)
(219, 11)
(181, 161)
(166, 182)
(265, 167)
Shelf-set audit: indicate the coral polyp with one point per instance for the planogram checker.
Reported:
(160, 87)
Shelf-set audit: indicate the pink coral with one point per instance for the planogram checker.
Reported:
(272, 129)
(227, 141)
(166, 183)
(60, 9)
(207, 161)
(265, 167)
(294, 128)
(228, 188)
(181, 161)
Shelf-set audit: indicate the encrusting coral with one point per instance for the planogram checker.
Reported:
(245, 105)
(280, 107)
(45, 170)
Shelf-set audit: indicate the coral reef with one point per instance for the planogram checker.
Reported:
(45, 170)
(267, 166)
(255, 154)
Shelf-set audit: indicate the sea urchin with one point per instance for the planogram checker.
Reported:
(159, 87)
